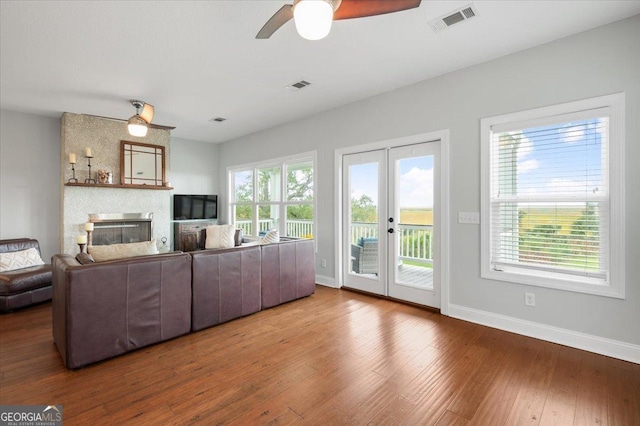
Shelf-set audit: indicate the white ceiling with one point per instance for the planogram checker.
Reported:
(195, 60)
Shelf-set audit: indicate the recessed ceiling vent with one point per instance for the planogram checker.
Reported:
(460, 15)
(297, 86)
(217, 119)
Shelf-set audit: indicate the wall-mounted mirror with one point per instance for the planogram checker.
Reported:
(141, 164)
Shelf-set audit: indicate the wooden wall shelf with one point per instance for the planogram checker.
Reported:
(114, 185)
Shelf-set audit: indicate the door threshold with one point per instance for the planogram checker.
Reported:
(392, 299)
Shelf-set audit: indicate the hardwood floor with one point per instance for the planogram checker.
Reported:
(337, 357)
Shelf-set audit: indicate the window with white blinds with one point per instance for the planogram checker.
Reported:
(548, 197)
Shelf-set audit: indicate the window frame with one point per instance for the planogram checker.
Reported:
(614, 286)
(281, 202)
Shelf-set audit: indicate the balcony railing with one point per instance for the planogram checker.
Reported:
(295, 228)
(415, 240)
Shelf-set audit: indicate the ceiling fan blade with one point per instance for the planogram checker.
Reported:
(151, 125)
(360, 8)
(147, 113)
(281, 17)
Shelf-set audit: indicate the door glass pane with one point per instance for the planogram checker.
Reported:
(268, 216)
(364, 217)
(414, 203)
(300, 221)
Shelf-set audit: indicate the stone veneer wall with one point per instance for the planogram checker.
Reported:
(103, 136)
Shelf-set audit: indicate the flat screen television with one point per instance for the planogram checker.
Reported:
(192, 207)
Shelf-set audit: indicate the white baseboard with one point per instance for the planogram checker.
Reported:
(587, 342)
(326, 281)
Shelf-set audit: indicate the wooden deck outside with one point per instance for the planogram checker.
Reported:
(419, 276)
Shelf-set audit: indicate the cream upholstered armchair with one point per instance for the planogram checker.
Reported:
(364, 256)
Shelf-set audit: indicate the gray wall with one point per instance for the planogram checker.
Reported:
(593, 63)
(194, 167)
(30, 179)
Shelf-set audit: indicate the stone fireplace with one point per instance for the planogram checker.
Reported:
(103, 136)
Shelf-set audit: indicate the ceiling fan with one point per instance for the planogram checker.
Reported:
(313, 17)
(138, 123)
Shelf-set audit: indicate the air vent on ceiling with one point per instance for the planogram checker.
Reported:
(217, 119)
(297, 86)
(460, 15)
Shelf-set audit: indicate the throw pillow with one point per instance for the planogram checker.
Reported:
(19, 259)
(273, 236)
(220, 236)
(239, 237)
(122, 251)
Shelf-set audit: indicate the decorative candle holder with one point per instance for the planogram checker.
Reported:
(73, 170)
(89, 228)
(81, 246)
(90, 180)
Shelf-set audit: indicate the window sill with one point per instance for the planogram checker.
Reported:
(556, 281)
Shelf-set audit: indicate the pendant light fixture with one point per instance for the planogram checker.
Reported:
(138, 123)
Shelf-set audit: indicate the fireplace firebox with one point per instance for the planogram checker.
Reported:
(117, 228)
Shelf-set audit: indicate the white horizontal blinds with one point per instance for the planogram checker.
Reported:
(550, 195)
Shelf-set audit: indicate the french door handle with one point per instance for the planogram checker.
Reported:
(390, 230)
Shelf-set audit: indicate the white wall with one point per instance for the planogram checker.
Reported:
(30, 179)
(194, 167)
(597, 62)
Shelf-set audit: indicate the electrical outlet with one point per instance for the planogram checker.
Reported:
(323, 263)
(469, 217)
(530, 299)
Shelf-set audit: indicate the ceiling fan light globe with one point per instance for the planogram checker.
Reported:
(137, 126)
(313, 18)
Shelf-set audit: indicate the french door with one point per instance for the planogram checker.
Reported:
(390, 226)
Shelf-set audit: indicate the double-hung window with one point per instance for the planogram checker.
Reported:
(275, 194)
(553, 196)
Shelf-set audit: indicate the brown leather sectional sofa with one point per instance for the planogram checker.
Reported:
(105, 309)
(226, 285)
(23, 287)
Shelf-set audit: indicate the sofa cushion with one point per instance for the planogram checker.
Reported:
(14, 260)
(220, 236)
(25, 279)
(273, 236)
(121, 251)
(226, 285)
(363, 240)
(287, 271)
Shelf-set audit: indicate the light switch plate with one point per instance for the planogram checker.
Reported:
(469, 217)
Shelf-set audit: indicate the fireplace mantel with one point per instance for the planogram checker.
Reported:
(113, 185)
